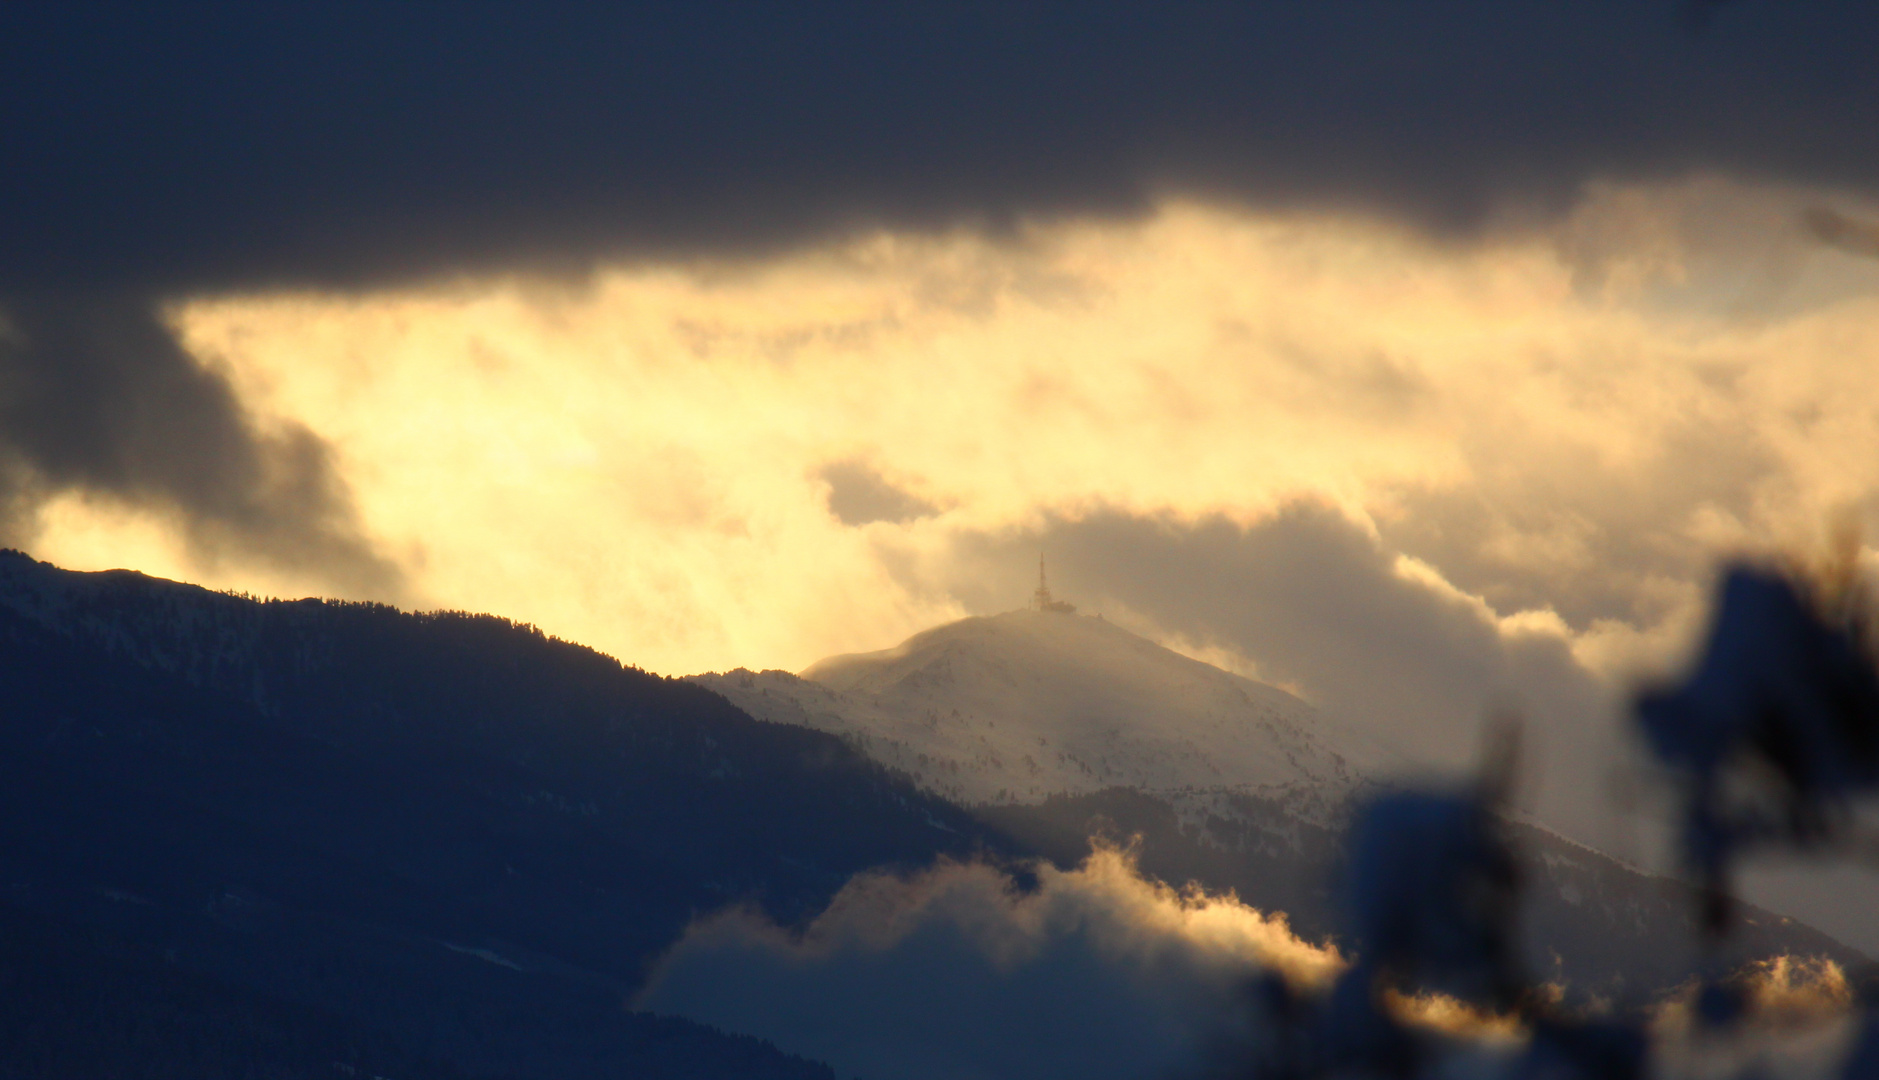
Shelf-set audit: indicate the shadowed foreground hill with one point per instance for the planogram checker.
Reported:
(461, 837)
(69, 1008)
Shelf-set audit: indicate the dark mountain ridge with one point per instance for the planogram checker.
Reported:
(449, 828)
(452, 845)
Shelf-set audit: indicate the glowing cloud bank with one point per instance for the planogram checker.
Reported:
(668, 461)
(956, 972)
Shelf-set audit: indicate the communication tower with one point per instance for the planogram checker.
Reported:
(1041, 599)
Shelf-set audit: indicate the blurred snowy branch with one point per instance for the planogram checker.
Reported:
(1770, 737)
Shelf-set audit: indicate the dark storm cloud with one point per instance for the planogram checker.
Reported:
(161, 151)
(97, 395)
(1837, 230)
(859, 495)
(1316, 602)
(164, 147)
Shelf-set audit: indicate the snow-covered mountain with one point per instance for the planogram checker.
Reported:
(1029, 704)
(1052, 726)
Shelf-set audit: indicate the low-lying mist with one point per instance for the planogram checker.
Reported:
(965, 970)
(977, 970)
(961, 970)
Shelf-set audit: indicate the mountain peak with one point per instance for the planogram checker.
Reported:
(1030, 703)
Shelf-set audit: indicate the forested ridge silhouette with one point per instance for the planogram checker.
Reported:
(457, 833)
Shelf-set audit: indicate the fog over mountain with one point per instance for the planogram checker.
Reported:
(960, 972)
(1018, 706)
(1056, 726)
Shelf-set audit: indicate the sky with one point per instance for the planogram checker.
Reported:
(1422, 359)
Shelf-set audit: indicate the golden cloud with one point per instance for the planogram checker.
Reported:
(643, 462)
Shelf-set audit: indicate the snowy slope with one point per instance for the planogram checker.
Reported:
(1024, 705)
(1053, 723)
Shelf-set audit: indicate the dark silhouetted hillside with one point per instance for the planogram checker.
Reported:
(450, 830)
(71, 1005)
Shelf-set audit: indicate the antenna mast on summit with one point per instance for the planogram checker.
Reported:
(1041, 599)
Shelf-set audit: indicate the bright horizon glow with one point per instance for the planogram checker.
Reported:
(637, 464)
